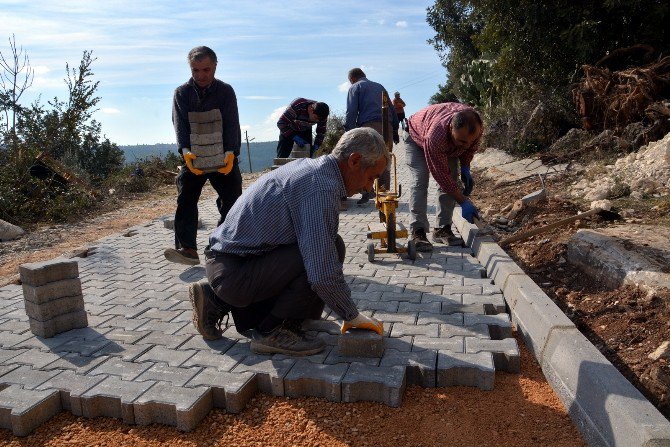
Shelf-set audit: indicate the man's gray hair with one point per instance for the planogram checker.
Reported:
(365, 141)
(199, 53)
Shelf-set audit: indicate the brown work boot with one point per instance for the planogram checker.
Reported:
(207, 314)
(186, 256)
(287, 340)
(421, 240)
(445, 236)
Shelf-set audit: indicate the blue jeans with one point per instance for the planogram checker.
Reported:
(418, 191)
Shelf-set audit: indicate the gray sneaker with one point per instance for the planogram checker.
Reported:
(286, 341)
(445, 236)
(207, 315)
(421, 240)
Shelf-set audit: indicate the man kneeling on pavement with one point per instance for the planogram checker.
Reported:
(277, 259)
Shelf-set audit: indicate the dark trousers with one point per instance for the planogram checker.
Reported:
(285, 144)
(274, 283)
(189, 187)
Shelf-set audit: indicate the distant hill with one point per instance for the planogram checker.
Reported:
(262, 153)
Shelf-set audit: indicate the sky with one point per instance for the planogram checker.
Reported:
(270, 52)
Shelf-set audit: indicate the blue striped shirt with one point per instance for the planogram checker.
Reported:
(297, 203)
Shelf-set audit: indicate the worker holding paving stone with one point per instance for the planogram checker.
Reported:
(277, 259)
(439, 138)
(206, 121)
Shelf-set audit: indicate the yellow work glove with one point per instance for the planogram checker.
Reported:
(363, 322)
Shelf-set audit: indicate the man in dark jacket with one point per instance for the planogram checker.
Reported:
(295, 125)
(203, 96)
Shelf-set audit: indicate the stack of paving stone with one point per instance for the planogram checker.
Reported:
(53, 298)
(296, 152)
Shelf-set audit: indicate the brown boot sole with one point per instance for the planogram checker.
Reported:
(197, 297)
(173, 255)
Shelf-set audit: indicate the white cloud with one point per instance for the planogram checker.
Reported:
(381, 21)
(262, 98)
(110, 111)
(274, 116)
(41, 69)
(244, 127)
(343, 87)
(401, 24)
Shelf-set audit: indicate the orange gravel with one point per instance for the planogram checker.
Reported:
(522, 410)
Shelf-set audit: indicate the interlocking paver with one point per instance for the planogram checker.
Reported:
(460, 369)
(23, 410)
(361, 343)
(173, 405)
(384, 384)
(71, 387)
(445, 324)
(113, 398)
(311, 379)
(231, 391)
(39, 273)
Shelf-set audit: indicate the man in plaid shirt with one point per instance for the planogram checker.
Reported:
(441, 136)
(295, 125)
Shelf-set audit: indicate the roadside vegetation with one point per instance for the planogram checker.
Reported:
(55, 163)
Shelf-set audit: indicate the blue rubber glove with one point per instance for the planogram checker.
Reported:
(468, 211)
(315, 148)
(299, 141)
(468, 182)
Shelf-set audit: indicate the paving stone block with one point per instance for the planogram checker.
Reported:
(113, 398)
(269, 373)
(401, 329)
(500, 326)
(377, 384)
(160, 372)
(361, 343)
(419, 365)
(170, 356)
(459, 369)
(52, 309)
(26, 377)
(52, 291)
(172, 405)
(59, 324)
(505, 352)
(231, 391)
(493, 304)
(75, 362)
(23, 410)
(127, 353)
(310, 379)
(116, 367)
(39, 273)
(222, 362)
(335, 357)
(35, 358)
(453, 344)
(71, 386)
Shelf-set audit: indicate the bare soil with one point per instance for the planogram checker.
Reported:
(522, 410)
(625, 324)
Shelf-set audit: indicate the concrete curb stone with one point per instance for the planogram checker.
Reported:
(606, 408)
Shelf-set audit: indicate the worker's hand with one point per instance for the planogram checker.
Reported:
(467, 180)
(363, 322)
(469, 211)
(396, 137)
(299, 141)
